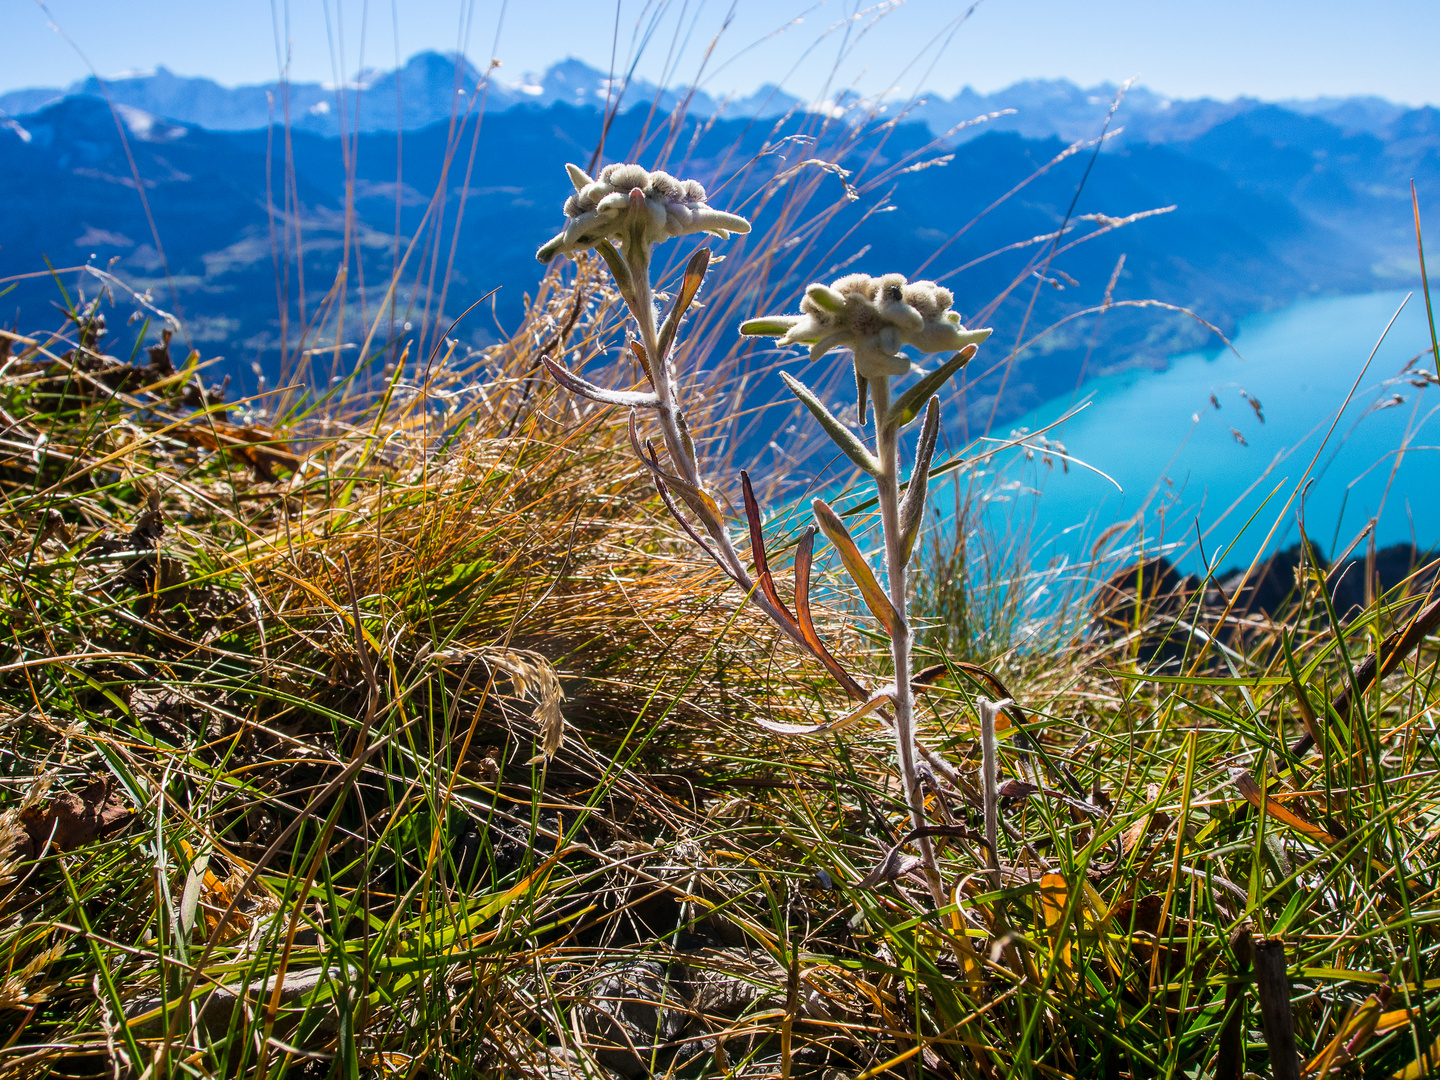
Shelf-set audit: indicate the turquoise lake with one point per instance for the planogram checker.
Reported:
(1177, 458)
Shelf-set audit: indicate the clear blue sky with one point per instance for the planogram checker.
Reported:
(1221, 48)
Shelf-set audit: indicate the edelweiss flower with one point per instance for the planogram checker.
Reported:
(873, 317)
(632, 205)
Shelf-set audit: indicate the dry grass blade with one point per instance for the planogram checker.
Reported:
(1380, 663)
(884, 697)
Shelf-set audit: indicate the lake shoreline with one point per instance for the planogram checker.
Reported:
(1220, 438)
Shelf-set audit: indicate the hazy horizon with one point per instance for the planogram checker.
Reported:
(515, 79)
(1279, 51)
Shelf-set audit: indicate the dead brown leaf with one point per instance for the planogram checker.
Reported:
(67, 821)
(260, 448)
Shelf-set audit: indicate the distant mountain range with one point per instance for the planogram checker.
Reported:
(1275, 202)
(432, 87)
(427, 90)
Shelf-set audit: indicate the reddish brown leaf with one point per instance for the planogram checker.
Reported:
(1277, 810)
(260, 448)
(1137, 829)
(689, 286)
(927, 677)
(679, 517)
(1017, 789)
(639, 351)
(757, 548)
(804, 557)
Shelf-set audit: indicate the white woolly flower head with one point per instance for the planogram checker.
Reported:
(873, 317)
(632, 205)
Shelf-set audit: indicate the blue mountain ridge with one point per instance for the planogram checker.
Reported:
(428, 88)
(1274, 203)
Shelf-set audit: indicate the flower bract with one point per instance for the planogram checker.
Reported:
(635, 206)
(873, 317)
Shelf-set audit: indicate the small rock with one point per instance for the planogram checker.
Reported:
(217, 1005)
(633, 1010)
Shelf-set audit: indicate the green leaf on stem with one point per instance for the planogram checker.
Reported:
(855, 564)
(839, 434)
(912, 506)
(689, 286)
(908, 405)
(769, 326)
(618, 270)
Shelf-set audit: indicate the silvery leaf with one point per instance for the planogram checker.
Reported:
(912, 507)
(634, 399)
(908, 405)
(839, 434)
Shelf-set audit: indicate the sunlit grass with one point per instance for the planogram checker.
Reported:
(303, 728)
(276, 684)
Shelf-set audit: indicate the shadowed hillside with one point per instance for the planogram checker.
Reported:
(1253, 227)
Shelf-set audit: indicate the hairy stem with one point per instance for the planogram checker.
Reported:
(887, 445)
(637, 255)
(669, 415)
(990, 785)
